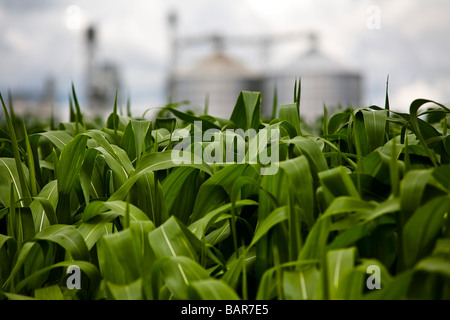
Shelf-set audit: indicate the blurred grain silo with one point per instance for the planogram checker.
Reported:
(324, 81)
(221, 78)
(218, 78)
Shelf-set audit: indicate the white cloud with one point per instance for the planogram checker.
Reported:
(16, 40)
(401, 98)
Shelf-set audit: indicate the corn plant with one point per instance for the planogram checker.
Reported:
(357, 211)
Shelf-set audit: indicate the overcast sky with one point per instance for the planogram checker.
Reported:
(44, 38)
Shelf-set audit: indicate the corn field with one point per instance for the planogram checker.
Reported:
(359, 210)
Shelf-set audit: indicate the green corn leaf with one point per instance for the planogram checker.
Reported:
(423, 228)
(69, 166)
(87, 268)
(125, 257)
(358, 133)
(286, 126)
(14, 296)
(354, 232)
(18, 263)
(141, 129)
(180, 190)
(44, 205)
(59, 138)
(217, 189)
(9, 174)
(397, 289)
(128, 142)
(259, 145)
(435, 265)
(298, 93)
(150, 198)
(40, 256)
(99, 215)
(178, 272)
(336, 182)
(31, 165)
(237, 266)
(353, 285)
(131, 291)
(118, 207)
(375, 127)
(276, 186)
(339, 262)
(120, 173)
(289, 113)
(154, 162)
(91, 179)
(325, 120)
(247, 111)
(36, 148)
(311, 150)
(97, 226)
(49, 293)
(67, 237)
(14, 220)
(211, 289)
(173, 239)
(201, 226)
(191, 119)
(218, 235)
(337, 121)
(24, 225)
(25, 191)
(278, 215)
(119, 257)
(79, 122)
(302, 285)
(345, 204)
(116, 158)
(301, 183)
(70, 163)
(316, 241)
(412, 188)
(8, 249)
(275, 102)
(291, 290)
(415, 123)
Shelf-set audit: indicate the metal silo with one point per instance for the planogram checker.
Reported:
(323, 82)
(219, 77)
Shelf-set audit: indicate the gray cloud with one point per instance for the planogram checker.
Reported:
(412, 46)
(26, 6)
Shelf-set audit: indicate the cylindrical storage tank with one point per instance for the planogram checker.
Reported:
(218, 76)
(323, 82)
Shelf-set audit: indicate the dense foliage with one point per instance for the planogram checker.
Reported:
(371, 189)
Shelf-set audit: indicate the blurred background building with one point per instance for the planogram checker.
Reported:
(102, 78)
(215, 81)
(37, 104)
(324, 82)
(218, 78)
